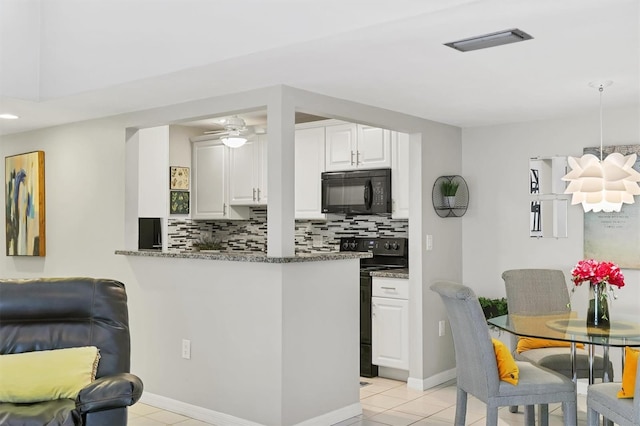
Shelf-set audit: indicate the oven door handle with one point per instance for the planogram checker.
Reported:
(368, 195)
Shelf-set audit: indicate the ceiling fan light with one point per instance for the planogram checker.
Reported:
(233, 141)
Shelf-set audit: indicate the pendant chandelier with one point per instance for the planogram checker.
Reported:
(602, 185)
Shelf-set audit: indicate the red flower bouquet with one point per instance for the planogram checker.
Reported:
(597, 273)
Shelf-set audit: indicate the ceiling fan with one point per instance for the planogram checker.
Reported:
(234, 131)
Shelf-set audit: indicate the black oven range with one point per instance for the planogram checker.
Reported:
(388, 253)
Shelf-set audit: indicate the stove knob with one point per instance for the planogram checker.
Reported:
(395, 245)
(353, 245)
(386, 245)
(345, 246)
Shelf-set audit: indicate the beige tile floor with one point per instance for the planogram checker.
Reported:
(387, 403)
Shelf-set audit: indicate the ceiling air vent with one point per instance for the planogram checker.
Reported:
(489, 40)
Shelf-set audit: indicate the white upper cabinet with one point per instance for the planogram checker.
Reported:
(209, 196)
(248, 169)
(309, 164)
(341, 147)
(374, 147)
(400, 175)
(352, 146)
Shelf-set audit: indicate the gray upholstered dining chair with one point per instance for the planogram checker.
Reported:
(477, 370)
(544, 292)
(602, 400)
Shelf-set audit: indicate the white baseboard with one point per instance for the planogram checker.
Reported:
(581, 387)
(335, 416)
(194, 411)
(429, 382)
(221, 419)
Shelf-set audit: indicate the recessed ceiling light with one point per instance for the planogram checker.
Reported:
(489, 40)
(9, 116)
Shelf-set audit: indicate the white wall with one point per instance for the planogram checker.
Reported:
(495, 229)
(84, 184)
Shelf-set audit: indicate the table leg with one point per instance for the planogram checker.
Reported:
(574, 372)
(605, 364)
(605, 377)
(591, 351)
(574, 369)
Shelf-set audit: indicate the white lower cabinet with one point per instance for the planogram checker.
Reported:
(390, 322)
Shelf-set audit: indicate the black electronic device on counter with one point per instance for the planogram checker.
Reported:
(357, 192)
(149, 233)
(388, 253)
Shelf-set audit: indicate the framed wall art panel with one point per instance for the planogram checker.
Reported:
(179, 202)
(179, 178)
(614, 237)
(25, 204)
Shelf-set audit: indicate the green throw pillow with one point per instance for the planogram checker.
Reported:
(47, 375)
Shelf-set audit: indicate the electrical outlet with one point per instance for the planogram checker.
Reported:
(186, 349)
(317, 241)
(429, 242)
(441, 328)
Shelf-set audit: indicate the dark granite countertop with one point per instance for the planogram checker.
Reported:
(246, 256)
(392, 273)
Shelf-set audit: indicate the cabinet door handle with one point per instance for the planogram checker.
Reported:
(357, 158)
(388, 288)
(258, 190)
(224, 209)
(254, 194)
(352, 158)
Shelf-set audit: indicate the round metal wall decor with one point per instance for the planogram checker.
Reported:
(450, 196)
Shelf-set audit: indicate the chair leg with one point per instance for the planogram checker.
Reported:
(461, 407)
(529, 415)
(543, 414)
(570, 411)
(593, 418)
(513, 408)
(492, 416)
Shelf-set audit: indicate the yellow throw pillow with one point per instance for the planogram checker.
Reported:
(507, 367)
(47, 375)
(527, 343)
(629, 372)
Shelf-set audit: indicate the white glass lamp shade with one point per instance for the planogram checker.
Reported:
(602, 186)
(233, 141)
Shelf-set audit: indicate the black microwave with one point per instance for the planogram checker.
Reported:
(357, 192)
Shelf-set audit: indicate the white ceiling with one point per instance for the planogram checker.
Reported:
(71, 60)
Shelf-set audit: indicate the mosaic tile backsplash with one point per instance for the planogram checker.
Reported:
(311, 236)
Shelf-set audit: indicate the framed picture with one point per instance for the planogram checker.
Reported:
(24, 203)
(179, 178)
(614, 237)
(179, 203)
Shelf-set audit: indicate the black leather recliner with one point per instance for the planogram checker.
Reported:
(56, 313)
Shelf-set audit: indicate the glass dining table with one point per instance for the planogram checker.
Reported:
(568, 327)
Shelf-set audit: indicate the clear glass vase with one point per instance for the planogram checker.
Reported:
(598, 312)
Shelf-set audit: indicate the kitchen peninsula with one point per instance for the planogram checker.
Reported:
(273, 339)
(246, 256)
